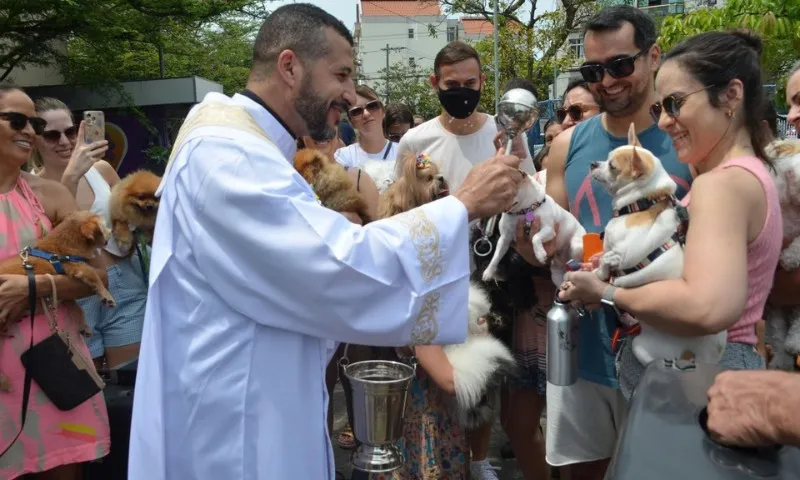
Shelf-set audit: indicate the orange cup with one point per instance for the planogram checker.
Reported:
(592, 245)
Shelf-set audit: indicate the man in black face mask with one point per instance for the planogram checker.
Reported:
(461, 136)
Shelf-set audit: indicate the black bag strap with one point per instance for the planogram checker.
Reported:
(26, 390)
(386, 152)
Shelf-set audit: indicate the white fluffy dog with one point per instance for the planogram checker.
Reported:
(783, 324)
(532, 201)
(479, 364)
(381, 172)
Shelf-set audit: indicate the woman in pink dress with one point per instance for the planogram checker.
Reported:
(52, 444)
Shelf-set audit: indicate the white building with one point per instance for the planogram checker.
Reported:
(407, 31)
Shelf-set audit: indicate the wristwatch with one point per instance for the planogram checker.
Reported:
(608, 296)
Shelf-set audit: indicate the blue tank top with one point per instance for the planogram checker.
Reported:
(591, 204)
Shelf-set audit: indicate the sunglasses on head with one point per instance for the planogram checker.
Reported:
(618, 68)
(54, 136)
(575, 112)
(671, 104)
(18, 121)
(372, 106)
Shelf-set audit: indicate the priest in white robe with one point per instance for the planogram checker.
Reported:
(252, 281)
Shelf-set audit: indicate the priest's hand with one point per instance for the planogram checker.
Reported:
(491, 187)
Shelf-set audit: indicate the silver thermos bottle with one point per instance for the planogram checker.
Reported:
(562, 344)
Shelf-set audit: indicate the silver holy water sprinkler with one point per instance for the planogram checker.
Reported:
(516, 112)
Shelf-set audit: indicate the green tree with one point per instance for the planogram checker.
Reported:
(544, 33)
(777, 21)
(219, 50)
(33, 32)
(408, 83)
(517, 57)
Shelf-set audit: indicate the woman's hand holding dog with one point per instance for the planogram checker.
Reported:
(13, 299)
(491, 186)
(582, 288)
(84, 156)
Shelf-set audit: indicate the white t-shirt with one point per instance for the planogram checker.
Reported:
(354, 156)
(454, 154)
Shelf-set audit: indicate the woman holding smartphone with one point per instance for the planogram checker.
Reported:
(63, 155)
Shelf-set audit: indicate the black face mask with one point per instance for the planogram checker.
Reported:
(459, 102)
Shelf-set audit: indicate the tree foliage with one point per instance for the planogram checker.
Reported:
(34, 32)
(777, 21)
(516, 58)
(409, 84)
(521, 16)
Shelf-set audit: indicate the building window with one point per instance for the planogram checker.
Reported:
(412, 62)
(410, 33)
(451, 33)
(576, 46)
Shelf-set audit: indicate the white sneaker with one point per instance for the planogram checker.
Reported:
(482, 470)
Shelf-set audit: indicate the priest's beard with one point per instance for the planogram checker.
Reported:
(313, 109)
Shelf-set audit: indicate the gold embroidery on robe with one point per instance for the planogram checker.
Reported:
(425, 238)
(427, 325)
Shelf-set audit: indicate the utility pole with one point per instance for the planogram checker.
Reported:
(496, 61)
(389, 49)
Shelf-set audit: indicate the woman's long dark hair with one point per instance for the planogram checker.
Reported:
(716, 58)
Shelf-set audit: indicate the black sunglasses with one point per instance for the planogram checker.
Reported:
(372, 107)
(54, 136)
(671, 104)
(618, 68)
(575, 112)
(18, 121)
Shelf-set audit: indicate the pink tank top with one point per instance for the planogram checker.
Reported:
(762, 253)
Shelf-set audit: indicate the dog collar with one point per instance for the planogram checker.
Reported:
(641, 205)
(528, 212)
(54, 259)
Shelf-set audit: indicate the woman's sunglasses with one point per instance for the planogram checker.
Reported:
(18, 121)
(671, 104)
(575, 112)
(618, 68)
(53, 136)
(372, 107)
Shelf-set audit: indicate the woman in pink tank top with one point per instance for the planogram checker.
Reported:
(50, 440)
(710, 86)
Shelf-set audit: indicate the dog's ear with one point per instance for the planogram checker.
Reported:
(632, 138)
(637, 164)
(92, 230)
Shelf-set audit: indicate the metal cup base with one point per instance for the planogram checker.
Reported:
(377, 459)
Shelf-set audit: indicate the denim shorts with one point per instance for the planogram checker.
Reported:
(121, 325)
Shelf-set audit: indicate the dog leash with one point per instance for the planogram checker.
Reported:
(144, 258)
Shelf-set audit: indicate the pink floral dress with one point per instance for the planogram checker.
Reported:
(51, 437)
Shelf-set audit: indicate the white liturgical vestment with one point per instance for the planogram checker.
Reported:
(251, 281)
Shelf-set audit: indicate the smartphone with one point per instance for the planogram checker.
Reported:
(95, 127)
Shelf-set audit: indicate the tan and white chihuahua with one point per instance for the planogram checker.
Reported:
(532, 202)
(643, 244)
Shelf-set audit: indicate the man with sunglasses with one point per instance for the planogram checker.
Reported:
(583, 420)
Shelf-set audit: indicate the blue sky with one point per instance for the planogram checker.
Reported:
(345, 10)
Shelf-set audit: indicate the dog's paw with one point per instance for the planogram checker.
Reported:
(489, 274)
(540, 252)
(612, 259)
(107, 300)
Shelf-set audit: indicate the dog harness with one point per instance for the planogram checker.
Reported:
(678, 238)
(55, 260)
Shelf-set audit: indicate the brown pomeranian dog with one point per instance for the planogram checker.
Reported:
(331, 183)
(65, 250)
(420, 183)
(133, 205)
